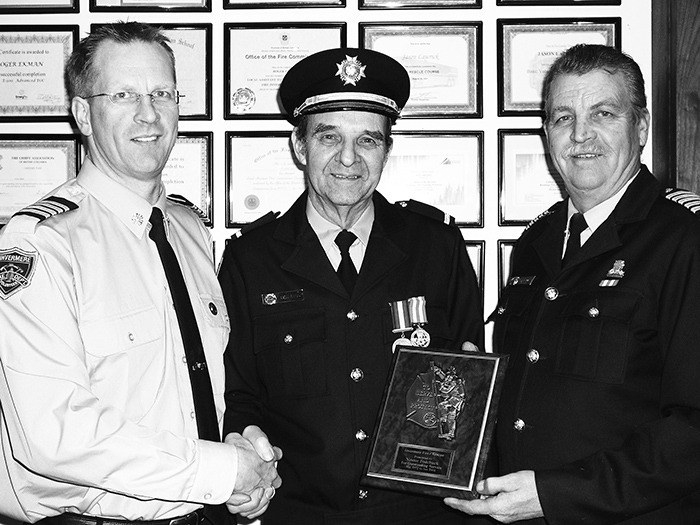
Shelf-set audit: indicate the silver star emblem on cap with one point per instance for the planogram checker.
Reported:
(350, 70)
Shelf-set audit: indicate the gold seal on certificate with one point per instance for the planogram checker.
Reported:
(436, 422)
(243, 99)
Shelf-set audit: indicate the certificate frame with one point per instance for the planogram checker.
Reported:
(276, 4)
(558, 2)
(54, 110)
(70, 144)
(246, 93)
(40, 6)
(430, 395)
(460, 95)
(477, 256)
(525, 97)
(203, 197)
(150, 6)
(505, 256)
(525, 189)
(418, 4)
(261, 154)
(465, 152)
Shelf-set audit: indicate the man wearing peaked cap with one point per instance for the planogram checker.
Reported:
(311, 343)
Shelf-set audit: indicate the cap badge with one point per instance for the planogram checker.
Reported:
(350, 70)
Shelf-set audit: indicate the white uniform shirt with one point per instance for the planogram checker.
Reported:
(94, 388)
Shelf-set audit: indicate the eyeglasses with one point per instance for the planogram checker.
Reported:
(161, 97)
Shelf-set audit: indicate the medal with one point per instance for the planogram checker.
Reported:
(400, 319)
(418, 317)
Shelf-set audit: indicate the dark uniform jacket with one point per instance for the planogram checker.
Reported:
(310, 369)
(602, 394)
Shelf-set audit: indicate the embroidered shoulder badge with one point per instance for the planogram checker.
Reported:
(684, 197)
(48, 207)
(427, 210)
(16, 271)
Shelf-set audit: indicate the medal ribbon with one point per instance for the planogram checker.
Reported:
(417, 312)
(400, 316)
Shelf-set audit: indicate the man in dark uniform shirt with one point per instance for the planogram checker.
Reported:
(599, 419)
(308, 358)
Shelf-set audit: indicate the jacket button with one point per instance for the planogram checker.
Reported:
(357, 374)
(593, 312)
(352, 315)
(518, 424)
(288, 339)
(533, 356)
(551, 293)
(361, 435)
(213, 309)
(362, 494)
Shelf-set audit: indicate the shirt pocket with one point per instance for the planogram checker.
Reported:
(510, 317)
(290, 348)
(595, 337)
(215, 335)
(122, 333)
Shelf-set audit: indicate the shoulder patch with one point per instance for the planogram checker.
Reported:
(427, 210)
(16, 271)
(685, 198)
(48, 207)
(268, 217)
(179, 199)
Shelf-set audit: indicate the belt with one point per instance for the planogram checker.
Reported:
(193, 518)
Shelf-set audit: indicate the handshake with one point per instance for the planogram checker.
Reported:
(257, 477)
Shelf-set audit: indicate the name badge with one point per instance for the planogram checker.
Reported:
(289, 296)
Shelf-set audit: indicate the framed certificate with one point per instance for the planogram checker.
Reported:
(33, 165)
(31, 72)
(443, 61)
(261, 175)
(418, 4)
(40, 6)
(528, 182)
(475, 250)
(505, 254)
(257, 56)
(436, 422)
(271, 4)
(150, 5)
(527, 47)
(188, 172)
(558, 2)
(441, 168)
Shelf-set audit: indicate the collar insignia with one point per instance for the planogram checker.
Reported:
(617, 272)
(350, 70)
(16, 271)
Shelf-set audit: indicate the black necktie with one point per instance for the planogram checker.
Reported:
(204, 407)
(577, 224)
(346, 270)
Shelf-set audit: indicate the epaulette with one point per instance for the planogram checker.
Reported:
(179, 199)
(268, 217)
(427, 210)
(48, 207)
(685, 198)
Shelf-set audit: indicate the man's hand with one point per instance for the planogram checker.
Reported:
(257, 477)
(508, 498)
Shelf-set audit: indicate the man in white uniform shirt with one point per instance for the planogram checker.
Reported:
(99, 421)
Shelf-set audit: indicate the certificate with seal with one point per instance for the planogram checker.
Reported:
(442, 60)
(33, 165)
(528, 182)
(31, 72)
(436, 422)
(257, 57)
(441, 168)
(188, 172)
(150, 5)
(261, 175)
(527, 47)
(40, 6)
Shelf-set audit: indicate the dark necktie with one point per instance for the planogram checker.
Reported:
(346, 270)
(577, 224)
(204, 407)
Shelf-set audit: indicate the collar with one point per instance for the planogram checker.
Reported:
(131, 209)
(327, 231)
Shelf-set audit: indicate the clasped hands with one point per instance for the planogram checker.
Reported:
(257, 477)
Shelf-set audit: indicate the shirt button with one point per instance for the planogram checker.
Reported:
(533, 356)
(518, 424)
(207, 496)
(361, 435)
(551, 293)
(357, 374)
(213, 309)
(362, 494)
(352, 315)
(192, 415)
(131, 337)
(184, 359)
(288, 339)
(593, 312)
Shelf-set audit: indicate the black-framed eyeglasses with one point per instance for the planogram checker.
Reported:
(160, 97)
